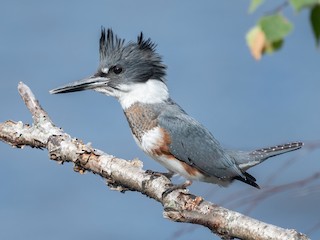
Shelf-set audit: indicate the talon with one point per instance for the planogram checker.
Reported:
(175, 187)
(169, 174)
(154, 174)
(148, 171)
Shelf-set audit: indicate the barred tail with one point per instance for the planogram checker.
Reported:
(265, 153)
(246, 160)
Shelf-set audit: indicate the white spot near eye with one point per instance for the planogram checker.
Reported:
(105, 70)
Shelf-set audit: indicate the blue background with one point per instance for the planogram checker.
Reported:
(246, 104)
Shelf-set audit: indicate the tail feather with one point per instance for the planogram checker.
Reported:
(246, 160)
(265, 153)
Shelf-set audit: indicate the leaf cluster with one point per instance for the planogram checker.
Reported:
(268, 35)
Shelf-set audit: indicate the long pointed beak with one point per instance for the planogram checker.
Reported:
(80, 85)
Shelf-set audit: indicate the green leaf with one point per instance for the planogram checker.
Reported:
(315, 23)
(275, 27)
(274, 46)
(254, 5)
(300, 4)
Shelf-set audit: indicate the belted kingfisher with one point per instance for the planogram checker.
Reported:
(134, 74)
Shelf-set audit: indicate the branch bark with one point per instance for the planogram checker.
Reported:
(124, 175)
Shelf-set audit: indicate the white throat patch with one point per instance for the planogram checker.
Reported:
(150, 92)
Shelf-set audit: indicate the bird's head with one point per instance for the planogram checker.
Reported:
(131, 72)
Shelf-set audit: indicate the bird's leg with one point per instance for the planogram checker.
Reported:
(169, 174)
(175, 187)
(154, 174)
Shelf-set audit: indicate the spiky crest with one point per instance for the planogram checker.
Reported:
(110, 43)
(145, 43)
(140, 56)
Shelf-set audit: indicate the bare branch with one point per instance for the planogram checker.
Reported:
(123, 175)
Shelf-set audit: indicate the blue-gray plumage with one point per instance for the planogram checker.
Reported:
(135, 75)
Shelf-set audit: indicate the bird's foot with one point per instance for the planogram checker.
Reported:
(175, 187)
(154, 174)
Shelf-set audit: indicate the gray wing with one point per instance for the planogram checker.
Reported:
(194, 144)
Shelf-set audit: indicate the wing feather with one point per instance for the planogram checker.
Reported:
(193, 144)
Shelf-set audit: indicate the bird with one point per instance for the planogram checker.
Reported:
(133, 72)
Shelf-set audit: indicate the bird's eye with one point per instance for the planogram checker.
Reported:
(117, 69)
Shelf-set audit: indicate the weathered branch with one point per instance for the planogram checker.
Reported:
(123, 175)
